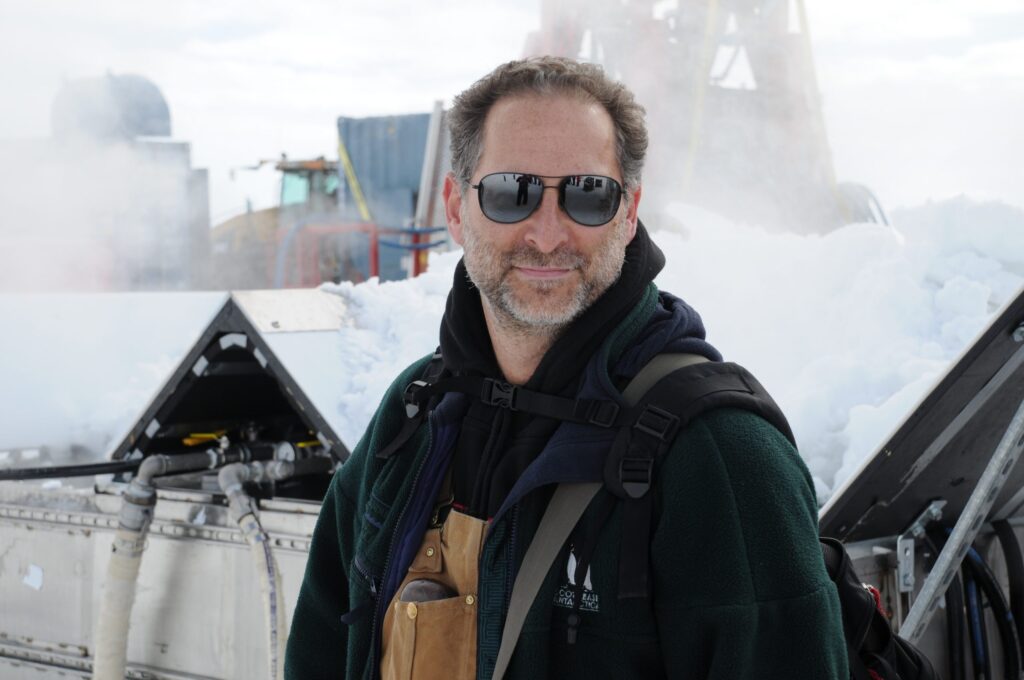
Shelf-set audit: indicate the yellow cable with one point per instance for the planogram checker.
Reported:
(196, 438)
(353, 181)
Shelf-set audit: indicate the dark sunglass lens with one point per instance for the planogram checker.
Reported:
(591, 200)
(509, 197)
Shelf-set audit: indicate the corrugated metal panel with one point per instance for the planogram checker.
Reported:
(387, 154)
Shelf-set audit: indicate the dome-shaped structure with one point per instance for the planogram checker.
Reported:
(110, 107)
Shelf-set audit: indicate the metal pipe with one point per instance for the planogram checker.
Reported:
(974, 514)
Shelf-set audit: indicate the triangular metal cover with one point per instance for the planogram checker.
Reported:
(942, 447)
(231, 375)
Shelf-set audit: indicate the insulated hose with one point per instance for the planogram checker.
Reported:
(242, 509)
(979, 634)
(84, 470)
(111, 643)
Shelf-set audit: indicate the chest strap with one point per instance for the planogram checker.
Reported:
(502, 394)
(419, 393)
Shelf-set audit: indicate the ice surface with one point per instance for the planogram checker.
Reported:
(848, 330)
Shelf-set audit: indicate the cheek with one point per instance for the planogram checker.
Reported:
(594, 242)
(488, 237)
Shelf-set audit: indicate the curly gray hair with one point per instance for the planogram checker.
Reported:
(547, 75)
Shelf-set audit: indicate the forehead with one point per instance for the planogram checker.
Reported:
(554, 134)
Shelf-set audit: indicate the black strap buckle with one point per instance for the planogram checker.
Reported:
(635, 475)
(412, 405)
(435, 367)
(657, 422)
(499, 393)
(603, 413)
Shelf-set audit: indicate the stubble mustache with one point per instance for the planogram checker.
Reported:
(525, 256)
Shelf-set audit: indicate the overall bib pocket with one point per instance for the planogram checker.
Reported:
(430, 625)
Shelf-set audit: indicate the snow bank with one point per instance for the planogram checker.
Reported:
(392, 324)
(848, 330)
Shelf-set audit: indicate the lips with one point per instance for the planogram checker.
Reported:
(542, 272)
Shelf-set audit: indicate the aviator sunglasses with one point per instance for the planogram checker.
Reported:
(510, 197)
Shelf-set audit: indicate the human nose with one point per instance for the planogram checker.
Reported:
(548, 227)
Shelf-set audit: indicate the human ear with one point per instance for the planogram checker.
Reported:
(453, 206)
(632, 201)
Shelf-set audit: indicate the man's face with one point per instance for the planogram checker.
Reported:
(541, 273)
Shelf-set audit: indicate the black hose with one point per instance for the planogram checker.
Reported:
(1015, 571)
(181, 463)
(59, 471)
(979, 634)
(986, 580)
(956, 618)
(956, 626)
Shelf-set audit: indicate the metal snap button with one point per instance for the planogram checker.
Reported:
(470, 599)
(411, 610)
(430, 551)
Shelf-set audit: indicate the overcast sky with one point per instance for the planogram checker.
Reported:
(922, 98)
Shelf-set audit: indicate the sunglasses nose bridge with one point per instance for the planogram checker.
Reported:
(552, 205)
(548, 226)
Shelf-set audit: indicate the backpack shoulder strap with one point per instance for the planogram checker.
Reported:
(666, 395)
(564, 510)
(414, 414)
(672, 390)
(656, 369)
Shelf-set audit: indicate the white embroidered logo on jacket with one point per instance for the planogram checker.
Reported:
(590, 602)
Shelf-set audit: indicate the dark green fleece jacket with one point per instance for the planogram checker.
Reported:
(739, 589)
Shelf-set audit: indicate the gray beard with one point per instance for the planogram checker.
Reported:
(518, 319)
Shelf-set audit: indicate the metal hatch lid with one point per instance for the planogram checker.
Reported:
(301, 327)
(941, 448)
(246, 324)
(292, 310)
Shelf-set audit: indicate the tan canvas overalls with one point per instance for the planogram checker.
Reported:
(437, 638)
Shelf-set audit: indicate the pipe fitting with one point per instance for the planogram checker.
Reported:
(231, 478)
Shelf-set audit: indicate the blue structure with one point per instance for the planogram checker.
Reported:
(387, 154)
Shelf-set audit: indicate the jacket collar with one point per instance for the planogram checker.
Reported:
(660, 323)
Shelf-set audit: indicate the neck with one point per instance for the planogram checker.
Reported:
(517, 348)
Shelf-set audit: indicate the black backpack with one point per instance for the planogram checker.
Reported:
(671, 391)
(876, 653)
(677, 396)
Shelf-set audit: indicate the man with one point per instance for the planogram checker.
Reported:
(424, 528)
